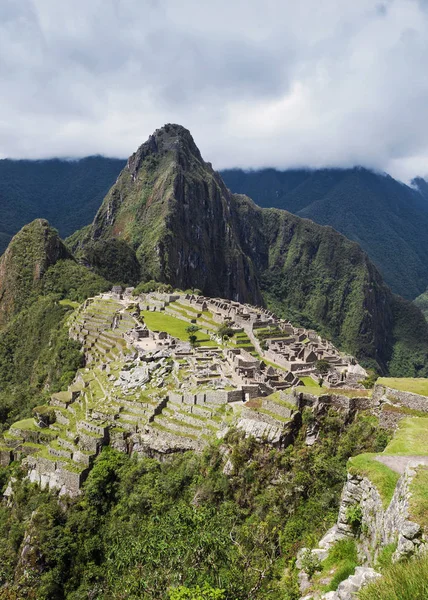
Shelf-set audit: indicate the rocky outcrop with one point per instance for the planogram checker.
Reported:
(379, 526)
(347, 589)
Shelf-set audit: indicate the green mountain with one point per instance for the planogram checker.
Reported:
(37, 274)
(169, 217)
(23, 265)
(388, 219)
(66, 193)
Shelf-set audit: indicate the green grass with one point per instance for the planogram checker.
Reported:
(342, 558)
(277, 399)
(382, 477)
(155, 425)
(339, 565)
(418, 504)
(157, 321)
(384, 559)
(403, 410)
(411, 437)
(406, 384)
(26, 425)
(71, 303)
(309, 382)
(407, 580)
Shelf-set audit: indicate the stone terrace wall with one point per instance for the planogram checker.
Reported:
(209, 397)
(380, 526)
(408, 399)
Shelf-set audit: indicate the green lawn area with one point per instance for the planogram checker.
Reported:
(157, 321)
(406, 384)
(410, 438)
(71, 303)
(26, 424)
(309, 382)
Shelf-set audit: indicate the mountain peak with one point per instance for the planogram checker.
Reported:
(171, 138)
(31, 252)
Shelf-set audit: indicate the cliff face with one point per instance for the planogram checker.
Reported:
(386, 218)
(169, 217)
(174, 213)
(319, 276)
(31, 252)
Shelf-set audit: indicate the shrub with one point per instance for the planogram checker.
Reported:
(310, 563)
(206, 592)
(354, 516)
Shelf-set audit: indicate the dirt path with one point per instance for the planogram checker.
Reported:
(399, 463)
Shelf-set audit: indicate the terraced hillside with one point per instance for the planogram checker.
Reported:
(148, 387)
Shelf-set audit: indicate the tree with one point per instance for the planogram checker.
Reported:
(322, 366)
(225, 331)
(192, 330)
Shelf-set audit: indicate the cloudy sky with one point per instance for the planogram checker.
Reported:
(258, 82)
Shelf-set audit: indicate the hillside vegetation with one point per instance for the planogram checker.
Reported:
(67, 193)
(422, 303)
(149, 530)
(388, 219)
(36, 354)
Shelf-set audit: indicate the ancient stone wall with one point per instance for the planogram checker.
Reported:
(380, 526)
(408, 399)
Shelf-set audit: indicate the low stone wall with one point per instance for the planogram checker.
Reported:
(278, 359)
(89, 442)
(408, 399)
(210, 397)
(54, 475)
(338, 401)
(97, 429)
(118, 441)
(277, 409)
(59, 453)
(61, 419)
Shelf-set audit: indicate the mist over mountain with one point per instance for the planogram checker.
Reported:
(386, 217)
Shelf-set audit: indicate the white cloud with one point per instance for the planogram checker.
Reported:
(258, 83)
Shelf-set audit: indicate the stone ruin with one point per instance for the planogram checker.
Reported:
(147, 392)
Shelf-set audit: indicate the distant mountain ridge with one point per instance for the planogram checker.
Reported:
(387, 218)
(67, 193)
